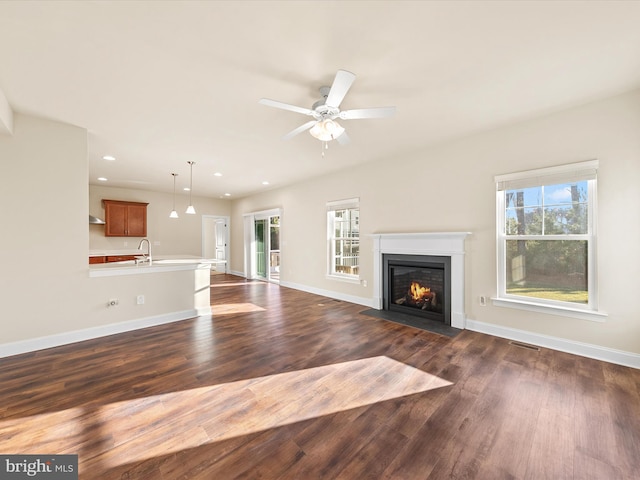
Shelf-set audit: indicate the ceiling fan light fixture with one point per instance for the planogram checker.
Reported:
(326, 130)
(324, 111)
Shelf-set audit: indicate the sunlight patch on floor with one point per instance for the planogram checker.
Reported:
(143, 428)
(229, 308)
(237, 284)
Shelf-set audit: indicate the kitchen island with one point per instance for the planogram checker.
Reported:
(128, 295)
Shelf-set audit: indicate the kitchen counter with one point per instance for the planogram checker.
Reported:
(164, 263)
(173, 287)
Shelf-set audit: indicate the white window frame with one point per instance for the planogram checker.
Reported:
(541, 177)
(351, 203)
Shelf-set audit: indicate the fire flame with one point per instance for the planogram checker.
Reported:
(418, 292)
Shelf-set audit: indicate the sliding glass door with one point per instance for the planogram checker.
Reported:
(261, 241)
(274, 248)
(264, 262)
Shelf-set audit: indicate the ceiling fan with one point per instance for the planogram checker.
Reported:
(326, 110)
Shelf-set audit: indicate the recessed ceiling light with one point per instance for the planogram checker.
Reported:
(217, 174)
(265, 183)
(227, 194)
(102, 179)
(111, 158)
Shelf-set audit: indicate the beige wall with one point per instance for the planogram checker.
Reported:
(451, 188)
(44, 244)
(181, 235)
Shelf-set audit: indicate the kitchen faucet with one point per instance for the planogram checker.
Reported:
(147, 256)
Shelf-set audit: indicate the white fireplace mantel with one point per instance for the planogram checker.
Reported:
(449, 244)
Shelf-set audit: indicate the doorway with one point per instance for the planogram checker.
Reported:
(262, 243)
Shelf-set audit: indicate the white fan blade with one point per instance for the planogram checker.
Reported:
(378, 112)
(285, 106)
(341, 85)
(300, 129)
(343, 139)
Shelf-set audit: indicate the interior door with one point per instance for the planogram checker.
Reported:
(215, 235)
(221, 240)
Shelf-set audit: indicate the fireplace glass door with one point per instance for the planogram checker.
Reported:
(418, 286)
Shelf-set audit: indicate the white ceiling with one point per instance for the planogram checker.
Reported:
(157, 84)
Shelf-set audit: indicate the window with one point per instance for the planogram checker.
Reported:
(547, 237)
(343, 234)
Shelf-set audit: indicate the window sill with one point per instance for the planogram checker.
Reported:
(344, 278)
(591, 315)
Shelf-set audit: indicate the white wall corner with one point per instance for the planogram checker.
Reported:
(458, 320)
(6, 115)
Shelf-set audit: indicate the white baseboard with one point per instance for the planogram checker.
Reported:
(366, 301)
(597, 352)
(619, 357)
(33, 344)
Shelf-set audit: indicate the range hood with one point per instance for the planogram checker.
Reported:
(95, 220)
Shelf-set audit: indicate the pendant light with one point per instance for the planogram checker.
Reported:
(190, 209)
(174, 213)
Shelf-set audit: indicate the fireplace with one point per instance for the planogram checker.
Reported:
(430, 248)
(418, 285)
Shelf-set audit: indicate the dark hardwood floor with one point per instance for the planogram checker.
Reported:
(283, 384)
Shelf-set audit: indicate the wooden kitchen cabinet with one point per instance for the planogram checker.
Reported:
(125, 219)
(110, 258)
(119, 258)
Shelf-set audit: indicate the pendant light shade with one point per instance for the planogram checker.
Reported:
(174, 213)
(190, 210)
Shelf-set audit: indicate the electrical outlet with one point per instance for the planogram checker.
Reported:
(126, 244)
(483, 301)
(140, 299)
(113, 302)
(364, 283)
